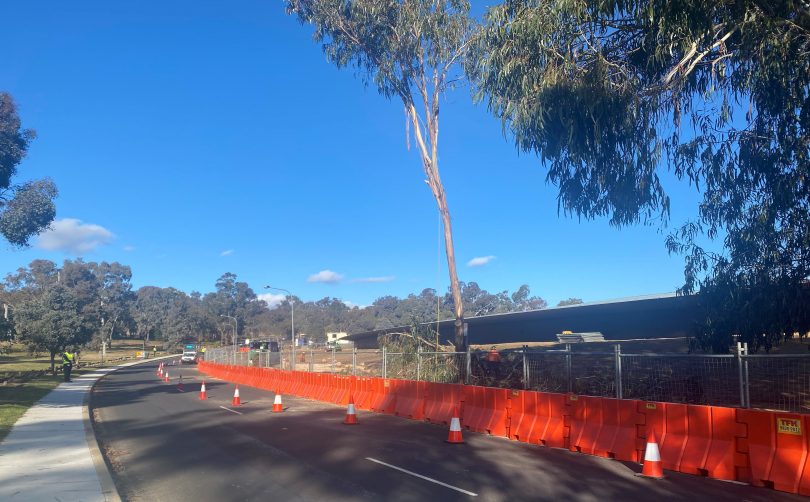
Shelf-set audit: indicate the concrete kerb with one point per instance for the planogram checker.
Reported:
(108, 489)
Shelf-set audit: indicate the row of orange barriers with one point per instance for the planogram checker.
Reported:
(760, 447)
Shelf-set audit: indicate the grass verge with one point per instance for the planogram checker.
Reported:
(16, 398)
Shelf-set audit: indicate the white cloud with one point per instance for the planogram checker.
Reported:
(387, 278)
(352, 305)
(227, 252)
(70, 235)
(326, 276)
(129, 248)
(272, 299)
(480, 261)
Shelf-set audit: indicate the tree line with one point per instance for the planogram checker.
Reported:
(84, 304)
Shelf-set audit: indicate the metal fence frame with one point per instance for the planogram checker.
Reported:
(779, 381)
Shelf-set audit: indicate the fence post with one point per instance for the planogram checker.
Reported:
(311, 360)
(525, 368)
(419, 363)
(469, 367)
(384, 364)
(740, 374)
(568, 365)
(334, 349)
(618, 354)
(354, 361)
(747, 380)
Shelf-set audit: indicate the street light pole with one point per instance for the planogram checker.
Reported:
(235, 324)
(292, 322)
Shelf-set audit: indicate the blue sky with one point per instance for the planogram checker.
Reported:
(193, 138)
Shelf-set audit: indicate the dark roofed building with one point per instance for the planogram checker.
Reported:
(652, 316)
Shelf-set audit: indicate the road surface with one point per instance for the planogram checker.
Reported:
(167, 445)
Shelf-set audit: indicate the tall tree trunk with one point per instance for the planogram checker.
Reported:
(53, 363)
(430, 164)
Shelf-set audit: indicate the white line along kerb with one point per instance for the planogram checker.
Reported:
(471, 494)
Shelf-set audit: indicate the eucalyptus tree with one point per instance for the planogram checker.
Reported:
(611, 93)
(410, 50)
(26, 209)
(53, 321)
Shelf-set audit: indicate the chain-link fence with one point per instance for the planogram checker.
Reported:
(780, 382)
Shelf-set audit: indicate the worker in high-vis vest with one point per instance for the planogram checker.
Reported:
(68, 358)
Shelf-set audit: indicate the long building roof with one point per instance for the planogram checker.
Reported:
(649, 316)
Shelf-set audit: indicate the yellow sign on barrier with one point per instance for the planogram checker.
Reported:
(789, 426)
(651, 406)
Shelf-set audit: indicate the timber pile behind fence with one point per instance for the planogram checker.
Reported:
(777, 382)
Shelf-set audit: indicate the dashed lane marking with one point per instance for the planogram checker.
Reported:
(471, 494)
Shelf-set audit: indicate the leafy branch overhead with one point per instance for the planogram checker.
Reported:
(26, 209)
(611, 93)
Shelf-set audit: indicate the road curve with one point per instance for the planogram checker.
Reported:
(166, 445)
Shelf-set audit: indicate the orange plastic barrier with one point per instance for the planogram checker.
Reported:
(410, 401)
(585, 422)
(363, 393)
(777, 449)
(696, 439)
(618, 438)
(524, 415)
(485, 409)
(440, 400)
(386, 397)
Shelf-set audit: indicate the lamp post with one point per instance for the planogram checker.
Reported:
(292, 321)
(235, 324)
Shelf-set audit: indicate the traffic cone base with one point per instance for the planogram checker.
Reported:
(236, 401)
(180, 384)
(351, 413)
(202, 391)
(653, 468)
(277, 406)
(454, 437)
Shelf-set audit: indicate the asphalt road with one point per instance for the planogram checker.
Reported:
(167, 445)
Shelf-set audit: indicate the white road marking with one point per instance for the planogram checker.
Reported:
(471, 494)
(232, 411)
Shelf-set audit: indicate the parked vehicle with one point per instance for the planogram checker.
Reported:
(188, 357)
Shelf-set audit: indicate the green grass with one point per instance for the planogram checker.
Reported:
(16, 398)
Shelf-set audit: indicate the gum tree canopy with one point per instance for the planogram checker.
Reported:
(25, 209)
(608, 93)
(409, 49)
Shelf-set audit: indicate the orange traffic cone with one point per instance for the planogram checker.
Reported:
(652, 459)
(180, 384)
(159, 371)
(236, 401)
(166, 378)
(277, 407)
(454, 437)
(202, 391)
(351, 414)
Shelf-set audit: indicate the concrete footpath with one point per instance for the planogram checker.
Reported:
(51, 452)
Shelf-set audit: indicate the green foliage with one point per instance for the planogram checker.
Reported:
(570, 301)
(26, 209)
(53, 321)
(608, 93)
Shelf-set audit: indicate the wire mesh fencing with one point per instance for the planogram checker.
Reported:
(704, 379)
(779, 382)
(437, 367)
